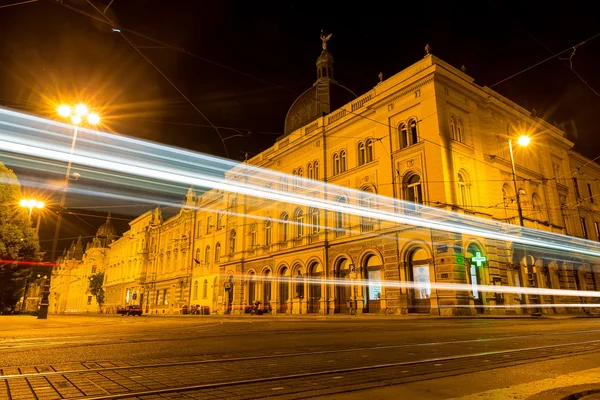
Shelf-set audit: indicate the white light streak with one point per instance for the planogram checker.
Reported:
(37, 137)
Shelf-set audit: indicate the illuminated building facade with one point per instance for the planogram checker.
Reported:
(428, 135)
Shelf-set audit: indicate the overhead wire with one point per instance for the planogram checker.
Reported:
(18, 4)
(165, 77)
(254, 77)
(570, 66)
(108, 21)
(545, 60)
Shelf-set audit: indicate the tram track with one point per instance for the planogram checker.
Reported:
(85, 368)
(462, 362)
(138, 380)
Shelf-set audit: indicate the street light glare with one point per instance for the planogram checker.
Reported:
(81, 109)
(64, 110)
(93, 119)
(523, 140)
(76, 119)
(31, 203)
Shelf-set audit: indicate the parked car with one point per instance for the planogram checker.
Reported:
(130, 310)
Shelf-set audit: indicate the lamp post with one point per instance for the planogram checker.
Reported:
(31, 204)
(523, 141)
(76, 116)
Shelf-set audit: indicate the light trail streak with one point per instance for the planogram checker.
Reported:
(517, 306)
(28, 263)
(144, 160)
(239, 187)
(442, 286)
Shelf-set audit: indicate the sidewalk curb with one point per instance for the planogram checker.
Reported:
(341, 317)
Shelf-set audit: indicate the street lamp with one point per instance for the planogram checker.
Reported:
(31, 204)
(523, 141)
(76, 115)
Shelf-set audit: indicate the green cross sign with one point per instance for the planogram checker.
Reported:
(478, 259)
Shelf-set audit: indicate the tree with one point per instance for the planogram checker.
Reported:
(96, 289)
(18, 241)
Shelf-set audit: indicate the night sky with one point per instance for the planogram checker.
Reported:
(253, 58)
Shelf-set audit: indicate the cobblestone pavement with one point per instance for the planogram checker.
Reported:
(296, 372)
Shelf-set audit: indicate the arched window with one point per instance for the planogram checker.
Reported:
(198, 255)
(459, 131)
(195, 290)
(453, 127)
(283, 228)
(464, 191)
(369, 156)
(343, 165)
(475, 275)
(205, 289)
(414, 190)
(336, 164)
(207, 256)
(339, 219)
(310, 171)
(403, 133)
(251, 288)
(209, 224)
(253, 238)
(299, 216)
(538, 208)
(414, 136)
(232, 241)
(218, 252)
(367, 200)
(268, 232)
(314, 220)
(316, 165)
(362, 153)
(298, 174)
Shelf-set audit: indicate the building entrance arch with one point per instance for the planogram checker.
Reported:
(266, 294)
(474, 271)
(419, 273)
(284, 290)
(229, 294)
(343, 288)
(315, 271)
(371, 267)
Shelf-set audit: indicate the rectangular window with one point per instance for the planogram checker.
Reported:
(157, 297)
(576, 184)
(584, 228)
(591, 195)
(94, 269)
(556, 171)
(597, 226)
(89, 302)
(199, 228)
(375, 284)
(209, 224)
(165, 302)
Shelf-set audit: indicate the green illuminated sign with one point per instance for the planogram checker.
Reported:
(478, 259)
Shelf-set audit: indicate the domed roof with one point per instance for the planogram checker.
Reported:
(107, 230)
(323, 97)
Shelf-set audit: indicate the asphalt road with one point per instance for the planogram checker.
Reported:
(112, 357)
